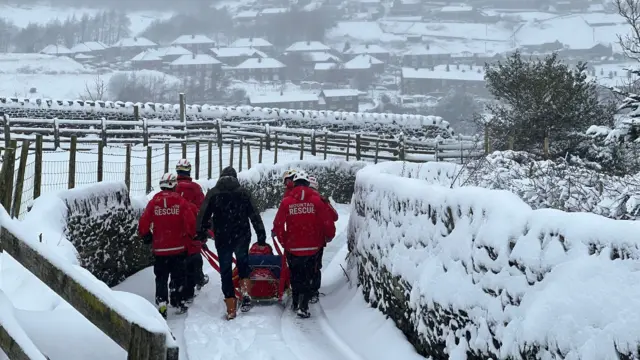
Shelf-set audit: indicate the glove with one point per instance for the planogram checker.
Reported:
(273, 234)
(205, 247)
(147, 239)
(325, 200)
(201, 236)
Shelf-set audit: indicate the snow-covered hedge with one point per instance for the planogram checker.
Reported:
(101, 223)
(264, 182)
(477, 272)
(72, 109)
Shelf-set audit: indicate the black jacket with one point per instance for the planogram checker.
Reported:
(228, 207)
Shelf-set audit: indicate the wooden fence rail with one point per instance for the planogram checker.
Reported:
(147, 132)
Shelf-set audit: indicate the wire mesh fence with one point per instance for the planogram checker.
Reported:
(61, 170)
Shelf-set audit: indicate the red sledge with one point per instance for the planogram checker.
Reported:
(269, 272)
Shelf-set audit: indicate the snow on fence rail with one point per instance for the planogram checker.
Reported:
(143, 338)
(145, 132)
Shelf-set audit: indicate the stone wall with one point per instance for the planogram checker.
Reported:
(417, 125)
(102, 225)
(477, 273)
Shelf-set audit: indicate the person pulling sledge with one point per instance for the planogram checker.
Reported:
(230, 208)
(192, 192)
(168, 223)
(317, 279)
(304, 224)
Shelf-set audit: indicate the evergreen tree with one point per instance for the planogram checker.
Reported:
(542, 98)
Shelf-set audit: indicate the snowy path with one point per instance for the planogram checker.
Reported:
(267, 332)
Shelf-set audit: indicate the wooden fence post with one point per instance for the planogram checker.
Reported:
(326, 144)
(348, 145)
(197, 160)
(268, 138)
(358, 147)
(248, 156)
(209, 158)
(239, 155)
(7, 132)
(511, 143)
(56, 134)
(103, 132)
(148, 172)
(100, 161)
(401, 153)
(183, 113)
(375, 157)
(546, 147)
(184, 149)
(219, 134)
(127, 167)
(301, 147)
(275, 152)
(435, 151)
(231, 153)
(166, 158)
(37, 171)
(8, 166)
(145, 133)
(72, 161)
(313, 142)
(461, 149)
(260, 153)
(22, 167)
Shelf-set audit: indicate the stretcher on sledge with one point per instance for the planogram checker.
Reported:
(269, 272)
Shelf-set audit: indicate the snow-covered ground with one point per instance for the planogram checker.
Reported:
(342, 326)
(23, 15)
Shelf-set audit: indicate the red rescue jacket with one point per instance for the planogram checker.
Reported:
(326, 201)
(303, 223)
(172, 221)
(192, 192)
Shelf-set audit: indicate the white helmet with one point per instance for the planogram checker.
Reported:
(288, 174)
(168, 181)
(313, 182)
(301, 175)
(183, 165)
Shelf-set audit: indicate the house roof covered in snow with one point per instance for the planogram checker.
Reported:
(339, 92)
(224, 52)
(148, 55)
(134, 42)
(367, 49)
(282, 98)
(195, 59)
(192, 39)
(250, 42)
(272, 11)
(172, 51)
(88, 46)
(456, 8)
(363, 61)
(440, 72)
(320, 56)
(54, 49)
(260, 63)
(325, 66)
(247, 14)
(307, 46)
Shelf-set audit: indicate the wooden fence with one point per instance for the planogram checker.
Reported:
(360, 146)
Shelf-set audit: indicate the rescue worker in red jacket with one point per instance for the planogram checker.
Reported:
(304, 224)
(192, 192)
(287, 180)
(317, 279)
(168, 223)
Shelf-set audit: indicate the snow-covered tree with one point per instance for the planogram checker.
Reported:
(542, 98)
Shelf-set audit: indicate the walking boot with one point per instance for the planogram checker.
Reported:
(231, 304)
(245, 289)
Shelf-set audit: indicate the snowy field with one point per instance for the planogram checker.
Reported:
(23, 15)
(342, 327)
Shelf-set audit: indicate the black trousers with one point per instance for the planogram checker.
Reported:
(225, 254)
(166, 267)
(194, 276)
(317, 278)
(303, 270)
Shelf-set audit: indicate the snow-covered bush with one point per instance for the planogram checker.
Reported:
(264, 182)
(472, 273)
(102, 224)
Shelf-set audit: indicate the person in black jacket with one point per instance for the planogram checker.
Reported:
(228, 207)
